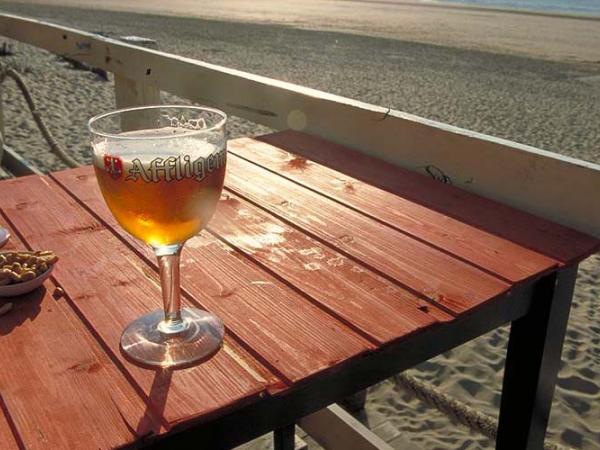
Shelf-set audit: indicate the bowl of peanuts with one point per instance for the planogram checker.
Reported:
(22, 272)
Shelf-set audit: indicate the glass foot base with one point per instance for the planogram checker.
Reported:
(201, 337)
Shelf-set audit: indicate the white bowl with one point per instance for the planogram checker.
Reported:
(4, 236)
(12, 290)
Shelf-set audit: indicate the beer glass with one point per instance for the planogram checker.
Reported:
(161, 172)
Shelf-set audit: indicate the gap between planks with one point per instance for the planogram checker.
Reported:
(9, 434)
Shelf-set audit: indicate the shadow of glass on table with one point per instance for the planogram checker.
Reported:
(156, 400)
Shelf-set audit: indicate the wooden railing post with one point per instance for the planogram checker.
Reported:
(130, 92)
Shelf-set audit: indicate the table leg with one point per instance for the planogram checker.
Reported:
(355, 402)
(284, 438)
(532, 363)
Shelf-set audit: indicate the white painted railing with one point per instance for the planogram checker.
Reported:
(562, 189)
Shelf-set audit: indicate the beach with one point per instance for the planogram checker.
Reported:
(532, 78)
(542, 35)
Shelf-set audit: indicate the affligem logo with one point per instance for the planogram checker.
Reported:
(176, 168)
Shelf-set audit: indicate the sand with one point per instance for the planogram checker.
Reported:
(551, 36)
(548, 102)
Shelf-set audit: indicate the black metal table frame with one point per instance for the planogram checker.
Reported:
(539, 312)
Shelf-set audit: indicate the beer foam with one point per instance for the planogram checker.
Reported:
(146, 149)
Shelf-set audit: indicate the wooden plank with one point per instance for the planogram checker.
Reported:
(256, 307)
(482, 249)
(379, 309)
(335, 429)
(558, 242)
(475, 162)
(451, 283)
(60, 389)
(90, 252)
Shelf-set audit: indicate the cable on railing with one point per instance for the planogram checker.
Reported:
(55, 148)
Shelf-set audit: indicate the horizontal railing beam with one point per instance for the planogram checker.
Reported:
(335, 429)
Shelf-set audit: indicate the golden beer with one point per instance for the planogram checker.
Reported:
(162, 200)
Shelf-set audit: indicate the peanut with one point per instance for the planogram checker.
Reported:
(17, 267)
(26, 276)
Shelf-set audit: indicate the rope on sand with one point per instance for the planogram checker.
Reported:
(456, 410)
(7, 72)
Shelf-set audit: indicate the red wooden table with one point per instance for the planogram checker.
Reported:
(327, 281)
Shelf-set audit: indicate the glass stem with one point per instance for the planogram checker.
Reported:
(168, 262)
